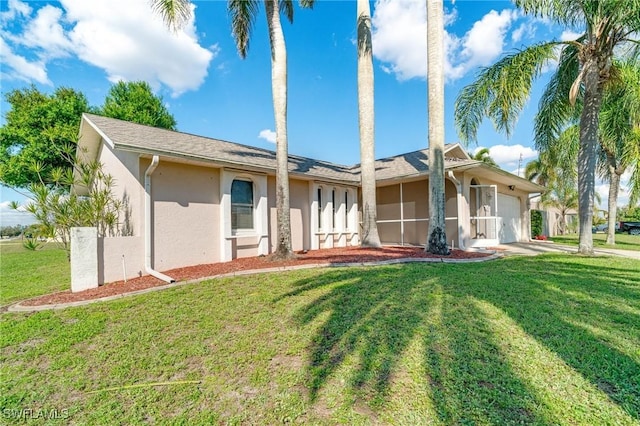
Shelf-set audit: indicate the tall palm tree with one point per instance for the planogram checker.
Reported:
(584, 68)
(563, 196)
(620, 137)
(370, 237)
(484, 155)
(437, 238)
(243, 14)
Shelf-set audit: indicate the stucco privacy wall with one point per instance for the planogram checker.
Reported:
(185, 214)
(120, 257)
(124, 167)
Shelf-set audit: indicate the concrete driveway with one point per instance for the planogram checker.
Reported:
(534, 248)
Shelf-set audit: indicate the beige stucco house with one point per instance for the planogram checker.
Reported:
(192, 200)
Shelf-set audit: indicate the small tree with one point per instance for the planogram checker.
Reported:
(135, 101)
(57, 211)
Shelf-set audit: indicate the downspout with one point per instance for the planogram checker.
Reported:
(458, 203)
(147, 222)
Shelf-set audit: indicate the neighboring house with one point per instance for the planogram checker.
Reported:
(552, 219)
(193, 200)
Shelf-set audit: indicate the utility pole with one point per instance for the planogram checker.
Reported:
(519, 165)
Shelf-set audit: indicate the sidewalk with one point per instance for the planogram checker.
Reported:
(534, 248)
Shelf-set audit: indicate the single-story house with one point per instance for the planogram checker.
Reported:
(192, 200)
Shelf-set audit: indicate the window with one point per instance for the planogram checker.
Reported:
(241, 204)
(346, 210)
(319, 208)
(333, 208)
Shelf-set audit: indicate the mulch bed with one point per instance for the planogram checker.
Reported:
(332, 256)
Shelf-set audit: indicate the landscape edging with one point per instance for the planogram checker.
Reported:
(18, 307)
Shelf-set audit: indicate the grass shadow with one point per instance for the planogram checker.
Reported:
(583, 311)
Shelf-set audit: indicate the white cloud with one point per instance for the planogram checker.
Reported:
(125, 46)
(45, 32)
(20, 68)
(268, 135)
(16, 8)
(399, 31)
(399, 39)
(568, 35)
(509, 155)
(11, 217)
(485, 40)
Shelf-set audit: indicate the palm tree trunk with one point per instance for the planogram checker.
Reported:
(279, 89)
(370, 237)
(587, 153)
(614, 188)
(437, 241)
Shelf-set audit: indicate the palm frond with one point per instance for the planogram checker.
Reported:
(554, 109)
(286, 8)
(174, 13)
(500, 92)
(567, 12)
(243, 14)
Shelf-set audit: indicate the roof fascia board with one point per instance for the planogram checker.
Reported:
(97, 129)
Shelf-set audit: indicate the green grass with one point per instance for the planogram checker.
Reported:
(623, 241)
(553, 339)
(28, 274)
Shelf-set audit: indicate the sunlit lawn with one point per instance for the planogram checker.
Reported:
(552, 339)
(623, 241)
(25, 274)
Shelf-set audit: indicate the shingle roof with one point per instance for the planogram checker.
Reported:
(151, 140)
(410, 164)
(136, 137)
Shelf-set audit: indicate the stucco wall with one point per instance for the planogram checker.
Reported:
(299, 203)
(112, 251)
(185, 215)
(125, 169)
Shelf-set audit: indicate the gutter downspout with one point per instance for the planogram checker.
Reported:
(147, 222)
(458, 204)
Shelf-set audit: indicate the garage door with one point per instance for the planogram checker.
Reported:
(509, 220)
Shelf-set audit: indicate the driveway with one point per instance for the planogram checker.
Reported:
(534, 248)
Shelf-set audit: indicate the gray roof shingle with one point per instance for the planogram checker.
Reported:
(151, 140)
(136, 137)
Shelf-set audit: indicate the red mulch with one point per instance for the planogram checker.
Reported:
(335, 255)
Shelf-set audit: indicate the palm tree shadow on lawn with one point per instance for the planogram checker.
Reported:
(374, 317)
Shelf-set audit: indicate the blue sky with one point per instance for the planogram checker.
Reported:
(211, 91)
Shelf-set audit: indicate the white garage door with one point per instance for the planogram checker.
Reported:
(509, 221)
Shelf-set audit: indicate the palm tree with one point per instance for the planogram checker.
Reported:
(563, 196)
(370, 237)
(620, 137)
(539, 170)
(584, 68)
(437, 239)
(484, 155)
(243, 14)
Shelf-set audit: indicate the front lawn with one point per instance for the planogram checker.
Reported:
(26, 273)
(623, 241)
(552, 339)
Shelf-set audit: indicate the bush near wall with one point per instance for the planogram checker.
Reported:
(536, 223)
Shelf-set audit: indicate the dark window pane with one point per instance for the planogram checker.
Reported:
(242, 192)
(241, 204)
